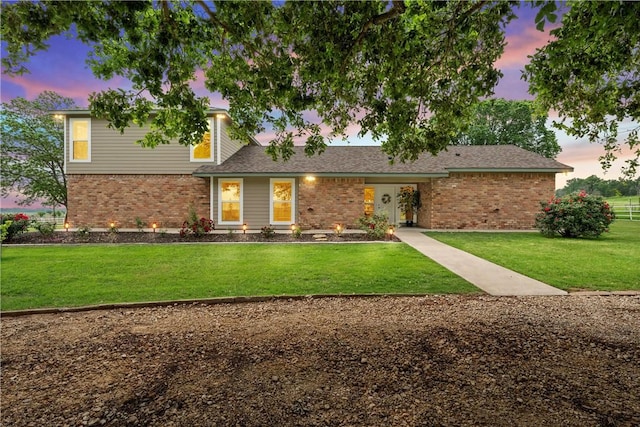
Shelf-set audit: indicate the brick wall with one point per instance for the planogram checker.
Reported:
(497, 201)
(325, 202)
(96, 200)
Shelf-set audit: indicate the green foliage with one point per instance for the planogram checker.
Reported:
(83, 230)
(196, 226)
(575, 215)
(14, 225)
(408, 197)
(297, 232)
(600, 187)
(45, 228)
(139, 224)
(375, 225)
(267, 232)
(32, 149)
(4, 230)
(589, 75)
(503, 122)
(408, 73)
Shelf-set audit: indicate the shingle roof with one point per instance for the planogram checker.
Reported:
(371, 160)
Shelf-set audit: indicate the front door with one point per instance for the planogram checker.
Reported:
(385, 201)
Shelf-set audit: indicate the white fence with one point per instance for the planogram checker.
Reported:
(628, 211)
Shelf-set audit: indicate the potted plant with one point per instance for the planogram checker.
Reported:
(408, 201)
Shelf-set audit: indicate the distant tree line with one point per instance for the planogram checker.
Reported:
(601, 187)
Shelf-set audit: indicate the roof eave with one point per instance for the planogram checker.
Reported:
(513, 170)
(87, 112)
(318, 174)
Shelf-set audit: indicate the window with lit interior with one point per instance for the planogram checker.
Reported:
(203, 152)
(80, 140)
(230, 201)
(282, 201)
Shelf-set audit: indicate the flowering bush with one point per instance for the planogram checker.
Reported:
(575, 215)
(197, 227)
(375, 225)
(12, 225)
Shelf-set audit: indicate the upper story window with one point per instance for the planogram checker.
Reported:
(80, 140)
(203, 152)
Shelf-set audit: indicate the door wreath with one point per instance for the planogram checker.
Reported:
(386, 199)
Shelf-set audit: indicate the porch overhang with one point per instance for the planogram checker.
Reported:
(415, 176)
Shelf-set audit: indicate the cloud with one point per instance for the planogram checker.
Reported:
(520, 46)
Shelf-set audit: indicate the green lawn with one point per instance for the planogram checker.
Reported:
(609, 263)
(65, 276)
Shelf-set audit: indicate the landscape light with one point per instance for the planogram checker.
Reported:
(244, 228)
(154, 226)
(390, 232)
(66, 226)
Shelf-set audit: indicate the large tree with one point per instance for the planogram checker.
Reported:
(407, 72)
(32, 150)
(590, 75)
(502, 122)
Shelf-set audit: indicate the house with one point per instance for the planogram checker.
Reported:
(112, 179)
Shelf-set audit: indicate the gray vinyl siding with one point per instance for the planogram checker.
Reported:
(114, 153)
(256, 194)
(228, 146)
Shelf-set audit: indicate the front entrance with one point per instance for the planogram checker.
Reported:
(386, 200)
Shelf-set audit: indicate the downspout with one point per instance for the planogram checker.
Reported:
(218, 137)
(211, 197)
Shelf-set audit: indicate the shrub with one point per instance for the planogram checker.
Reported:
(375, 225)
(4, 229)
(196, 226)
(139, 224)
(83, 230)
(297, 232)
(45, 228)
(13, 225)
(267, 232)
(575, 215)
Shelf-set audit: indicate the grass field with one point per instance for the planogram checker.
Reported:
(63, 276)
(610, 263)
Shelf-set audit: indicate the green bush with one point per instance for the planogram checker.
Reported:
(45, 228)
(375, 225)
(575, 215)
(13, 225)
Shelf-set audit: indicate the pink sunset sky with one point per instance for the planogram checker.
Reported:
(63, 69)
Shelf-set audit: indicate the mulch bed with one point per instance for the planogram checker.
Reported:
(73, 237)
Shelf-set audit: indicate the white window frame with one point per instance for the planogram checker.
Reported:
(211, 145)
(293, 201)
(220, 221)
(71, 140)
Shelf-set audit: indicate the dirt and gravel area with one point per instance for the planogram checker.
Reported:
(383, 361)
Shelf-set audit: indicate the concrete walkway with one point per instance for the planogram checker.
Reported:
(491, 278)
